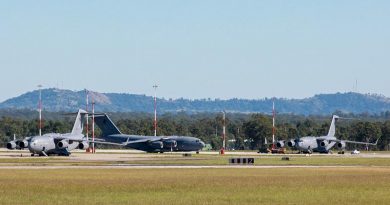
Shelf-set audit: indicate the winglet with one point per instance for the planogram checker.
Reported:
(376, 142)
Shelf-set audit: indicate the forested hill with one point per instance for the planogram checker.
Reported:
(323, 104)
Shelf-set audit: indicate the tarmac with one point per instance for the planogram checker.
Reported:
(171, 167)
(113, 154)
(114, 159)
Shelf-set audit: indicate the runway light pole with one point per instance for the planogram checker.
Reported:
(223, 134)
(40, 109)
(155, 109)
(93, 125)
(273, 124)
(86, 109)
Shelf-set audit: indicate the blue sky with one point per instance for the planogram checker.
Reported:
(196, 49)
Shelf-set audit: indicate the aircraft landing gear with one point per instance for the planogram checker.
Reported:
(309, 151)
(197, 152)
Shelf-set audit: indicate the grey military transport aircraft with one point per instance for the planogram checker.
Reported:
(112, 136)
(54, 143)
(322, 144)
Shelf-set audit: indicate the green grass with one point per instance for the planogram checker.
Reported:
(175, 159)
(365, 185)
(269, 160)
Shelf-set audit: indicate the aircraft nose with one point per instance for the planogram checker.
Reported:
(32, 146)
(202, 144)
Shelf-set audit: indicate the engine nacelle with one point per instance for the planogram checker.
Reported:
(156, 144)
(170, 143)
(341, 145)
(291, 143)
(280, 144)
(22, 144)
(83, 145)
(11, 145)
(63, 144)
(324, 143)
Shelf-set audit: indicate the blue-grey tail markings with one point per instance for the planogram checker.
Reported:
(106, 125)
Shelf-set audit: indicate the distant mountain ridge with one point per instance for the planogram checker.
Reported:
(323, 104)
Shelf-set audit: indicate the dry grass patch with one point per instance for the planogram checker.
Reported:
(196, 186)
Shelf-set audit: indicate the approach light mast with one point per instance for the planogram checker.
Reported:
(273, 124)
(93, 125)
(155, 110)
(223, 133)
(40, 109)
(86, 108)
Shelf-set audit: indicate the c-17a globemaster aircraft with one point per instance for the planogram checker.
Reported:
(112, 136)
(322, 144)
(55, 143)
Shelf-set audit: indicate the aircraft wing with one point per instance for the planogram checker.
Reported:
(100, 141)
(141, 141)
(106, 143)
(355, 142)
(70, 138)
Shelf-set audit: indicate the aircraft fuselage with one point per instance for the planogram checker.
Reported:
(159, 143)
(47, 144)
(314, 144)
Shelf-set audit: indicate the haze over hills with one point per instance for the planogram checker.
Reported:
(323, 104)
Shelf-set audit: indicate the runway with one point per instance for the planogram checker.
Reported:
(120, 154)
(170, 167)
(132, 159)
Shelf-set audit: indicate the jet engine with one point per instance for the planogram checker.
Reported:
(11, 145)
(324, 143)
(83, 145)
(291, 143)
(22, 144)
(341, 145)
(156, 144)
(170, 143)
(280, 144)
(63, 144)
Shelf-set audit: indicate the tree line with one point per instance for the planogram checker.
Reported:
(243, 131)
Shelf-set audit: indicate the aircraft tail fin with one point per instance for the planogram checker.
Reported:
(79, 122)
(332, 129)
(106, 125)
